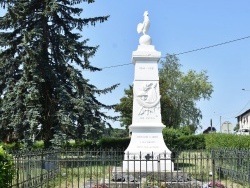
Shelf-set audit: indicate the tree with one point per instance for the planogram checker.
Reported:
(237, 127)
(125, 107)
(41, 66)
(179, 94)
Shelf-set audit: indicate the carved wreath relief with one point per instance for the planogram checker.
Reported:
(148, 98)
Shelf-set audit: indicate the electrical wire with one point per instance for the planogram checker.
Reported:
(189, 51)
(212, 46)
(244, 107)
(113, 66)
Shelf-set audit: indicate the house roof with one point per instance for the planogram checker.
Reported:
(209, 129)
(244, 113)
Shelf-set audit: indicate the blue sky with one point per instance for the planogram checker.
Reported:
(178, 26)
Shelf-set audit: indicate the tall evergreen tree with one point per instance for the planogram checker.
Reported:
(41, 79)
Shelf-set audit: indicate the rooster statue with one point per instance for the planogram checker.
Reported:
(143, 27)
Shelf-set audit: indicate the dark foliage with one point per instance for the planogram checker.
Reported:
(42, 85)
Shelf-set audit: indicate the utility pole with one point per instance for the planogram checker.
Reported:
(220, 124)
(211, 125)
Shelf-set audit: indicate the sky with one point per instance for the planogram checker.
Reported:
(177, 26)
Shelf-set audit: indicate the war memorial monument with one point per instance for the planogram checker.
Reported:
(147, 150)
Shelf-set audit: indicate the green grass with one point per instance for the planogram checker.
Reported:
(72, 177)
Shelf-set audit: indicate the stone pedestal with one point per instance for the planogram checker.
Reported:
(147, 150)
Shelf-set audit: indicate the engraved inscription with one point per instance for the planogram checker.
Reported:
(147, 142)
(146, 68)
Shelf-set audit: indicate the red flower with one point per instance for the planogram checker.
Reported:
(217, 184)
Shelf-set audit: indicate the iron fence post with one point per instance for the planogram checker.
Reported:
(213, 169)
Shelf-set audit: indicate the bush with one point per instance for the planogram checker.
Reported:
(39, 144)
(6, 168)
(220, 140)
(8, 147)
(87, 144)
(171, 137)
(115, 143)
(192, 142)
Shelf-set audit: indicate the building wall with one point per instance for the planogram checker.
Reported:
(244, 121)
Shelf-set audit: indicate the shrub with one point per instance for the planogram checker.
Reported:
(10, 146)
(87, 144)
(115, 143)
(39, 144)
(192, 142)
(6, 168)
(171, 136)
(220, 140)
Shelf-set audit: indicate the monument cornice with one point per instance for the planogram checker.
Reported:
(145, 53)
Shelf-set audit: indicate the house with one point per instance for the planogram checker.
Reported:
(244, 120)
(209, 130)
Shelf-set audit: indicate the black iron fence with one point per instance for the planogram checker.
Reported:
(105, 168)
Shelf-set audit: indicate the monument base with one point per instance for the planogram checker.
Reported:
(147, 150)
(148, 166)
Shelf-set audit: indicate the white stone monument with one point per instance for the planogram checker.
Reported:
(147, 150)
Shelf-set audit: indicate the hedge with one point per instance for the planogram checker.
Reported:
(174, 139)
(220, 140)
(6, 168)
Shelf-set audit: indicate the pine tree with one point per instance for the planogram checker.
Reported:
(41, 72)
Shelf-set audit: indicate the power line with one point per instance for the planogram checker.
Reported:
(113, 66)
(244, 107)
(189, 51)
(212, 46)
